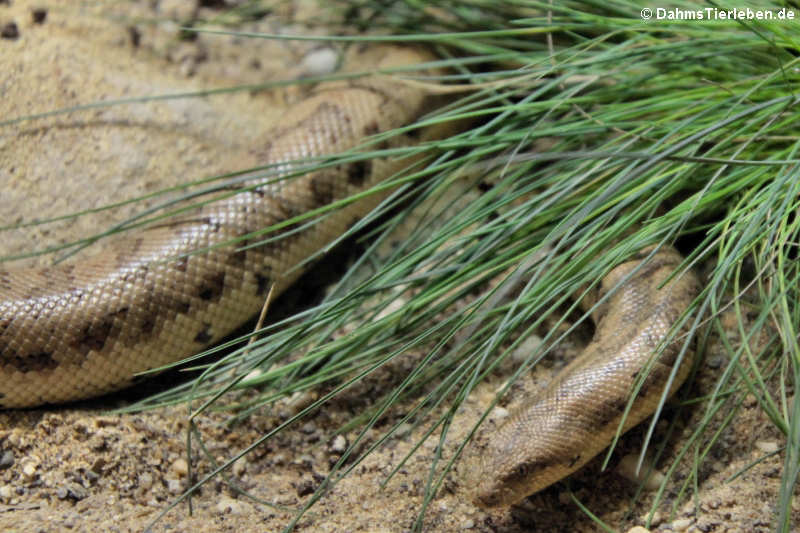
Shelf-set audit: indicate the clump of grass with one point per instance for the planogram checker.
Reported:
(596, 125)
(590, 124)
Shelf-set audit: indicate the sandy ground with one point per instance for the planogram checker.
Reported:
(78, 468)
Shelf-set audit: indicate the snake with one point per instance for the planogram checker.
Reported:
(578, 414)
(81, 329)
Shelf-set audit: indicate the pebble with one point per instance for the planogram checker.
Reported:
(92, 477)
(320, 62)
(6, 460)
(6, 492)
(763, 445)
(239, 467)
(15, 438)
(526, 348)
(682, 524)
(403, 430)
(339, 445)
(638, 529)
(253, 374)
(174, 486)
(305, 460)
(105, 421)
(300, 400)
(656, 520)
(231, 506)
(305, 487)
(180, 467)
(29, 468)
(73, 491)
(627, 469)
(499, 413)
(97, 466)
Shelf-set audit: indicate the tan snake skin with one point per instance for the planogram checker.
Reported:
(556, 432)
(79, 330)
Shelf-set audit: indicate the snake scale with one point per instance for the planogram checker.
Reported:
(82, 329)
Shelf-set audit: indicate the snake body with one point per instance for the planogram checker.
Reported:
(83, 329)
(556, 432)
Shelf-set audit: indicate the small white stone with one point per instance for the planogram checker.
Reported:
(638, 529)
(29, 468)
(300, 400)
(403, 430)
(499, 414)
(15, 438)
(526, 348)
(253, 374)
(320, 62)
(394, 306)
(180, 467)
(231, 506)
(767, 446)
(6, 492)
(174, 486)
(627, 469)
(239, 467)
(339, 444)
(682, 524)
(657, 519)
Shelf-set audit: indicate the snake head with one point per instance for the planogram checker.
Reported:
(520, 459)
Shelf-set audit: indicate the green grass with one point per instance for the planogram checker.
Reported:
(597, 125)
